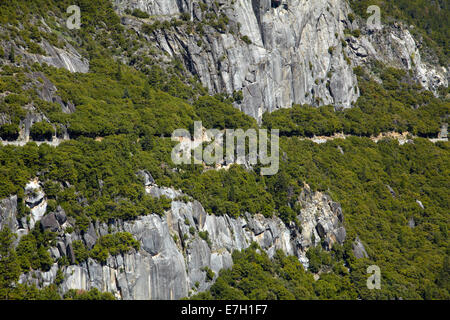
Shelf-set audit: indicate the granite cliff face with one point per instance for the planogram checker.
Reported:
(298, 51)
(288, 61)
(35, 201)
(173, 255)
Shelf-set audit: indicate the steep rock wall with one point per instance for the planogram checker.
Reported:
(289, 60)
(299, 51)
(172, 259)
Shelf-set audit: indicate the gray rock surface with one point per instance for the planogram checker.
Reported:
(420, 204)
(443, 134)
(67, 58)
(171, 261)
(358, 249)
(289, 60)
(49, 222)
(60, 215)
(90, 236)
(147, 177)
(39, 278)
(47, 91)
(8, 212)
(298, 53)
(70, 253)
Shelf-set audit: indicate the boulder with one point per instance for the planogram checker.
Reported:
(411, 223)
(60, 215)
(146, 176)
(199, 214)
(49, 222)
(90, 236)
(8, 211)
(340, 235)
(337, 210)
(358, 249)
(254, 223)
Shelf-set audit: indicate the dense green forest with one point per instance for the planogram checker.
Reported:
(256, 277)
(414, 261)
(397, 104)
(122, 123)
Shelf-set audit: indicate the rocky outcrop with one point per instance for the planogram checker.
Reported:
(411, 223)
(443, 134)
(395, 46)
(146, 177)
(358, 249)
(277, 55)
(50, 223)
(32, 117)
(66, 57)
(47, 91)
(35, 200)
(297, 52)
(178, 248)
(58, 53)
